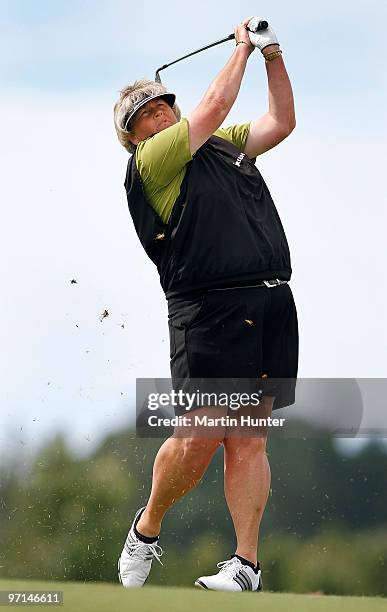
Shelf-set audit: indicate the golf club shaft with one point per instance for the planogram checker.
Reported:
(261, 26)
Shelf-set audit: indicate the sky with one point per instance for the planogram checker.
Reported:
(65, 217)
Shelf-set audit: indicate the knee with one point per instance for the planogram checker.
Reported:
(200, 448)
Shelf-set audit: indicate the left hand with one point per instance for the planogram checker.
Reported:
(262, 38)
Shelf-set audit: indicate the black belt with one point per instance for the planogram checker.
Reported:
(266, 283)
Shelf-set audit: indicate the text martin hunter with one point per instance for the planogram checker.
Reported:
(206, 421)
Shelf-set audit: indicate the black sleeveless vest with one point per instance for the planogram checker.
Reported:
(224, 229)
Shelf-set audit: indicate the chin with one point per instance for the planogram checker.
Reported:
(165, 125)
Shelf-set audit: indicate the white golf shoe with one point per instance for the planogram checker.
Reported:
(136, 558)
(233, 576)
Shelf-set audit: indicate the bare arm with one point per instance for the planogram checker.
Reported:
(217, 102)
(273, 127)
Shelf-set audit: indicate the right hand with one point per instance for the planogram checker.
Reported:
(241, 33)
(262, 38)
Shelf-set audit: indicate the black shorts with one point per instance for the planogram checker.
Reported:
(239, 333)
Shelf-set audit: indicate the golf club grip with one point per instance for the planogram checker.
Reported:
(262, 25)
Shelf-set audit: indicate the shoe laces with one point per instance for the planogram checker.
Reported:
(140, 550)
(230, 567)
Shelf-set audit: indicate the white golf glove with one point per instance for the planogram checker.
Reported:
(262, 38)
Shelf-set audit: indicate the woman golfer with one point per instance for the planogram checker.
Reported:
(205, 217)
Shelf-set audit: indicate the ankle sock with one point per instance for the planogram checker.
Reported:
(256, 568)
(140, 536)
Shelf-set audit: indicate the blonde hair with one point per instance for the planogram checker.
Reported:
(130, 96)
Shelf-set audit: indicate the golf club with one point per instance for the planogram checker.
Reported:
(262, 25)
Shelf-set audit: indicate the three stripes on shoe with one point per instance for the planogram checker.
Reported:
(243, 580)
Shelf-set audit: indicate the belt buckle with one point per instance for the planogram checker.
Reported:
(272, 283)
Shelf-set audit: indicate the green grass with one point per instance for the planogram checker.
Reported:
(103, 597)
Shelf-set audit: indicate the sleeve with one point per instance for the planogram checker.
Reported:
(162, 156)
(236, 134)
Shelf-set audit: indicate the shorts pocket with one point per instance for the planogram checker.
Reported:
(183, 314)
(172, 339)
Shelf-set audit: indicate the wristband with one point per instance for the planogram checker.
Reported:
(270, 56)
(240, 42)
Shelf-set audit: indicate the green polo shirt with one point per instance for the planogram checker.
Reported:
(162, 162)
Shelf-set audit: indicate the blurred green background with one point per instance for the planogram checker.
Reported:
(324, 528)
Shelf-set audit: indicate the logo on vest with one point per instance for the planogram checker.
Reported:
(239, 159)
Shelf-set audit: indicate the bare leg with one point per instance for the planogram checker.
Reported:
(179, 465)
(247, 483)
